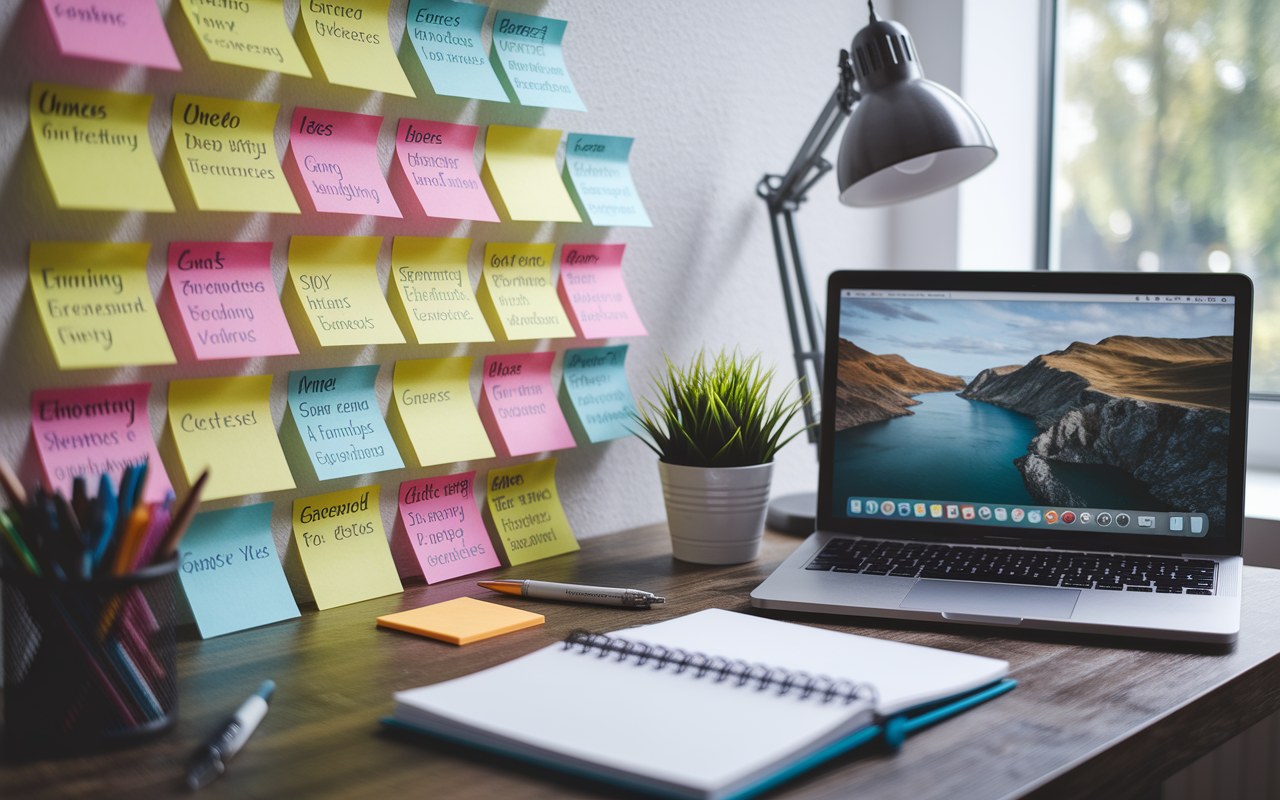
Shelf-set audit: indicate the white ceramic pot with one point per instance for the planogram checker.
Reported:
(716, 514)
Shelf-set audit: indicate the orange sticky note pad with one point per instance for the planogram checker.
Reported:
(461, 621)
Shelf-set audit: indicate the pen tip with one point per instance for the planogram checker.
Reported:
(266, 689)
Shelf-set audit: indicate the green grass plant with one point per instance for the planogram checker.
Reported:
(717, 413)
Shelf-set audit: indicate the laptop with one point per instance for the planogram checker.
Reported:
(1052, 450)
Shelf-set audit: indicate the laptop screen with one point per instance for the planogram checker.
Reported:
(1098, 415)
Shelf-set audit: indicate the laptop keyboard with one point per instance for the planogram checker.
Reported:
(1107, 571)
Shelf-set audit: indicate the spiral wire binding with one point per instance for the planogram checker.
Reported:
(740, 672)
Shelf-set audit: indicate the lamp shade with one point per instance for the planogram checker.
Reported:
(908, 136)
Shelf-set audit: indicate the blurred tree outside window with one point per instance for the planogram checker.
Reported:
(1167, 145)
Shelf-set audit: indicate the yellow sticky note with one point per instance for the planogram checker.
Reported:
(224, 425)
(430, 290)
(432, 415)
(96, 306)
(520, 173)
(517, 295)
(462, 620)
(343, 548)
(227, 149)
(526, 512)
(95, 149)
(352, 43)
(333, 280)
(248, 33)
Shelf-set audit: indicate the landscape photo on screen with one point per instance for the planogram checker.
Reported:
(1097, 411)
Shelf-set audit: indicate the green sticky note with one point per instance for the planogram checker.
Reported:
(334, 413)
(595, 395)
(231, 573)
(446, 38)
(528, 57)
(598, 177)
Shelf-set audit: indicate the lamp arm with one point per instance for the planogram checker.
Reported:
(783, 195)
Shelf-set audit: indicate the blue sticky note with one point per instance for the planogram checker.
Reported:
(527, 56)
(446, 37)
(595, 396)
(231, 573)
(335, 412)
(598, 176)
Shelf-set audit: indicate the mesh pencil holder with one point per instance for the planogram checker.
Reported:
(88, 664)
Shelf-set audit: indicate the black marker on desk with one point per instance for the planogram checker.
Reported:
(573, 593)
(210, 760)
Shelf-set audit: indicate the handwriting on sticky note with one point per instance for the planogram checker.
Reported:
(230, 571)
(430, 289)
(528, 52)
(446, 38)
(443, 524)
(93, 430)
(518, 406)
(335, 280)
(95, 149)
(123, 31)
(227, 150)
(526, 512)
(598, 175)
(599, 402)
(432, 411)
(343, 548)
(248, 33)
(224, 425)
(336, 154)
(354, 47)
(95, 304)
(593, 292)
(226, 298)
(517, 294)
(520, 172)
(437, 161)
(335, 412)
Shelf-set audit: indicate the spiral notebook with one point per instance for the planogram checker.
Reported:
(710, 705)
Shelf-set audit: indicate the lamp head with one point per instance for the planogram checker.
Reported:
(908, 136)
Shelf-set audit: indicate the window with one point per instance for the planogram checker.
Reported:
(1166, 146)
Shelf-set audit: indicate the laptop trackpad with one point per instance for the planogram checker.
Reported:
(991, 599)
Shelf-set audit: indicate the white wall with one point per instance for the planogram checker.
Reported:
(716, 94)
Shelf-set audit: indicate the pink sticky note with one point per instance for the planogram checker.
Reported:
(442, 524)
(336, 157)
(124, 31)
(226, 298)
(437, 163)
(518, 405)
(591, 287)
(96, 429)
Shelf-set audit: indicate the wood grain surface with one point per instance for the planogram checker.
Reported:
(1091, 717)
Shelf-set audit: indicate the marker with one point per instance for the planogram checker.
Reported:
(573, 593)
(209, 761)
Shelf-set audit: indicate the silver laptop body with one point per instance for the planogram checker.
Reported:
(1062, 451)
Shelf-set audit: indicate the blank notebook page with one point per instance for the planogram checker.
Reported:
(678, 728)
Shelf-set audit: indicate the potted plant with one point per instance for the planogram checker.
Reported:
(716, 432)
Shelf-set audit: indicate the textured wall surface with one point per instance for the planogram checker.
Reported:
(715, 92)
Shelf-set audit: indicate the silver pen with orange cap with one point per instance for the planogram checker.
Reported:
(574, 593)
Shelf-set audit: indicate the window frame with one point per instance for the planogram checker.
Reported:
(1264, 427)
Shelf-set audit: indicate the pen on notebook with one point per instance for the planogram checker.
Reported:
(573, 593)
(209, 761)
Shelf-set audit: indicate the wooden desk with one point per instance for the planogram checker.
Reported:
(1093, 717)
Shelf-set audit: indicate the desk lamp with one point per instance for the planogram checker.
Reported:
(907, 137)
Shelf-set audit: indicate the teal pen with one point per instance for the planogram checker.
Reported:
(107, 520)
(128, 486)
(139, 485)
